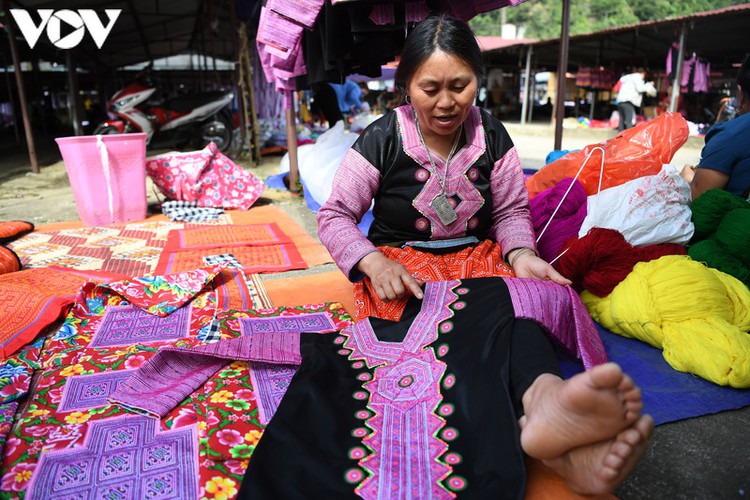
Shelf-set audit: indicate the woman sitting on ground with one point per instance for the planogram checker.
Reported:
(450, 203)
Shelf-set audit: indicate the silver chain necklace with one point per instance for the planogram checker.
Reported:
(440, 203)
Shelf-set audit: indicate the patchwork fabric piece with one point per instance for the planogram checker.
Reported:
(126, 457)
(127, 325)
(189, 211)
(68, 398)
(224, 258)
(174, 373)
(224, 236)
(254, 259)
(130, 249)
(30, 301)
(13, 229)
(82, 392)
(9, 261)
(235, 290)
(161, 295)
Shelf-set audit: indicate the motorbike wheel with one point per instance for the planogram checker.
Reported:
(218, 129)
(105, 130)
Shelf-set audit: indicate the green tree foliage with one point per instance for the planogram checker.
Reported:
(541, 18)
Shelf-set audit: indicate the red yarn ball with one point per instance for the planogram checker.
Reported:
(601, 259)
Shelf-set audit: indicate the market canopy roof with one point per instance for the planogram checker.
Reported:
(144, 30)
(721, 36)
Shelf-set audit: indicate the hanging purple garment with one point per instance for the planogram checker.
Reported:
(465, 10)
(268, 102)
(702, 75)
(301, 11)
(687, 68)
(382, 15)
(416, 11)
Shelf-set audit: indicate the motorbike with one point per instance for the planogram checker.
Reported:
(192, 120)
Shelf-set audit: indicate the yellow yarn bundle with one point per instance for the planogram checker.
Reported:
(698, 316)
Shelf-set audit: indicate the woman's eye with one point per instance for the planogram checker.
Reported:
(458, 88)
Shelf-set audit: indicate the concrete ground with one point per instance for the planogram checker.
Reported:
(695, 459)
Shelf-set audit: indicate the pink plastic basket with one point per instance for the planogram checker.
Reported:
(108, 176)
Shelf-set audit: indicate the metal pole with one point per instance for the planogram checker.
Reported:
(21, 91)
(526, 86)
(678, 71)
(562, 68)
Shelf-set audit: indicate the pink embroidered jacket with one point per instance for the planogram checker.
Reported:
(389, 164)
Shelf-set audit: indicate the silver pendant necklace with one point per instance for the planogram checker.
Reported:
(440, 203)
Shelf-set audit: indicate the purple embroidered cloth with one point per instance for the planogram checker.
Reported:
(174, 373)
(122, 457)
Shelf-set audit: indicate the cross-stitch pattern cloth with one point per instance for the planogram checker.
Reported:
(32, 299)
(68, 424)
(222, 236)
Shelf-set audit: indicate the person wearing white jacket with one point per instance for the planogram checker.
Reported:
(630, 96)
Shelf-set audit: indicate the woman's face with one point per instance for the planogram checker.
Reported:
(442, 91)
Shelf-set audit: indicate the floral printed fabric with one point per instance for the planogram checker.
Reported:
(207, 177)
(77, 373)
(15, 373)
(162, 295)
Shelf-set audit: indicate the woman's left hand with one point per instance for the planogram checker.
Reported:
(529, 265)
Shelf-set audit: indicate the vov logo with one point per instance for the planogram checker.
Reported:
(78, 21)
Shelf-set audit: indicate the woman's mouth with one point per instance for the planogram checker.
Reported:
(445, 120)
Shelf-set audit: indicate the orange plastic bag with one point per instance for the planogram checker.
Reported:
(634, 153)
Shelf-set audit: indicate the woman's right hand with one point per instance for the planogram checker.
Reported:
(389, 278)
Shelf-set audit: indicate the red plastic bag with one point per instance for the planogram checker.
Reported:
(634, 153)
(205, 176)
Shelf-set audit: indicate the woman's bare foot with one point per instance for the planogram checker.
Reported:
(599, 468)
(590, 407)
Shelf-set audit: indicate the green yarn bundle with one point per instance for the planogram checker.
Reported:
(722, 233)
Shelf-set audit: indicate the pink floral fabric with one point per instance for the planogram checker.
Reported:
(205, 176)
(162, 295)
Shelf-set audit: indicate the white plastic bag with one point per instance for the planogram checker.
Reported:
(647, 211)
(318, 162)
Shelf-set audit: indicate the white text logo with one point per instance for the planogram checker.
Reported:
(78, 21)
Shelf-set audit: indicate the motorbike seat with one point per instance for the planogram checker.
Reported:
(185, 104)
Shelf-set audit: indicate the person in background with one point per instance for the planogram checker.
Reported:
(449, 196)
(725, 159)
(349, 96)
(630, 96)
(325, 104)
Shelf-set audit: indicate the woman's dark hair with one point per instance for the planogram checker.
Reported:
(743, 78)
(443, 33)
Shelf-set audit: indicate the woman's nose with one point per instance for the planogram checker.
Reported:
(445, 100)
